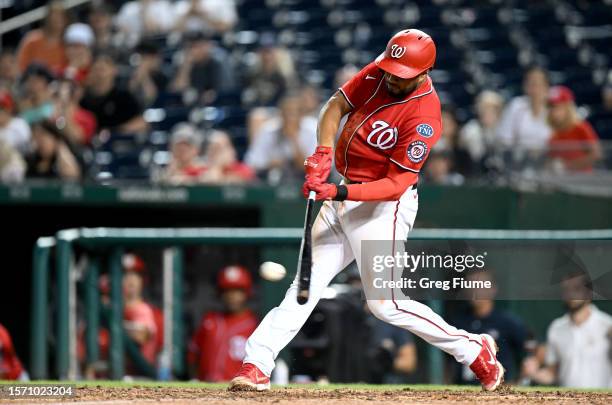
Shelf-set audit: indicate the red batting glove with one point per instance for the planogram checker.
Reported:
(318, 165)
(325, 191)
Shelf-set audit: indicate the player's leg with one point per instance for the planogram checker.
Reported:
(392, 221)
(330, 254)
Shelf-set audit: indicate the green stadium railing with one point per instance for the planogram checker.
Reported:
(116, 238)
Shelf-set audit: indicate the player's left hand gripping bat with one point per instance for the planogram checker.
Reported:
(305, 257)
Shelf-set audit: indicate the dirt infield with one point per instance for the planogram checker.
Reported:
(312, 396)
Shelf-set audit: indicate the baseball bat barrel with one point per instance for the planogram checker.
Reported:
(305, 257)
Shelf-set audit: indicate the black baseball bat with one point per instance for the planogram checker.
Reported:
(305, 257)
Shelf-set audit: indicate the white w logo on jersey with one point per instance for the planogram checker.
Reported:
(397, 51)
(382, 136)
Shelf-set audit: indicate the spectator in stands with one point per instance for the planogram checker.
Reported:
(14, 131)
(508, 330)
(222, 164)
(148, 80)
(606, 97)
(138, 317)
(217, 348)
(115, 109)
(574, 145)
(449, 142)
(100, 18)
(268, 80)
(36, 95)
(79, 40)
(578, 344)
(12, 165)
(45, 45)
(208, 16)
(143, 18)
(278, 151)
(51, 157)
(344, 74)
(79, 124)
(133, 263)
(311, 100)
(8, 70)
(10, 365)
(478, 136)
(392, 354)
(199, 76)
(523, 124)
(186, 166)
(439, 169)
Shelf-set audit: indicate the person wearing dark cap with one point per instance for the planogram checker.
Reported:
(200, 74)
(148, 79)
(36, 98)
(51, 157)
(574, 145)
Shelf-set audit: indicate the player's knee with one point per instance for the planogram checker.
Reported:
(382, 309)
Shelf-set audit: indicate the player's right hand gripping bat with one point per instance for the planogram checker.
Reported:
(305, 258)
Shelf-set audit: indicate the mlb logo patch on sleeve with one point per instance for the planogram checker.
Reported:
(425, 130)
(416, 151)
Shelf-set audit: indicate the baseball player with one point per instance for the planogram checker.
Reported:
(217, 347)
(393, 122)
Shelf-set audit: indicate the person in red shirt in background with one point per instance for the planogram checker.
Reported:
(217, 347)
(138, 316)
(186, 166)
(574, 145)
(10, 366)
(143, 321)
(79, 124)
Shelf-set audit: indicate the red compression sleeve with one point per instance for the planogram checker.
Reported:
(389, 188)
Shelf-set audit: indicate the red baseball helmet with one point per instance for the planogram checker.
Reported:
(132, 262)
(234, 277)
(409, 53)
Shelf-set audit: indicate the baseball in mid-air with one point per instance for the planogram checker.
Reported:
(272, 271)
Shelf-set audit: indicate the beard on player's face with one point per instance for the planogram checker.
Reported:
(398, 87)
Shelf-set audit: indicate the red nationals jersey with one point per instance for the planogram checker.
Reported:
(217, 347)
(383, 130)
(10, 366)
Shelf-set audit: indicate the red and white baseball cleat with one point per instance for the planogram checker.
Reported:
(487, 368)
(250, 378)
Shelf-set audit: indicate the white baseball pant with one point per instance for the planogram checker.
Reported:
(337, 234)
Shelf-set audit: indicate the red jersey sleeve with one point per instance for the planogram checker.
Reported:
(362, 86)
(587, 133)
(413, 147)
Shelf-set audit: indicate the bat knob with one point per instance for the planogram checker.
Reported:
(302, 297)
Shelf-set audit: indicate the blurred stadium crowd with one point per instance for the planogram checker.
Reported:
(224, 91)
